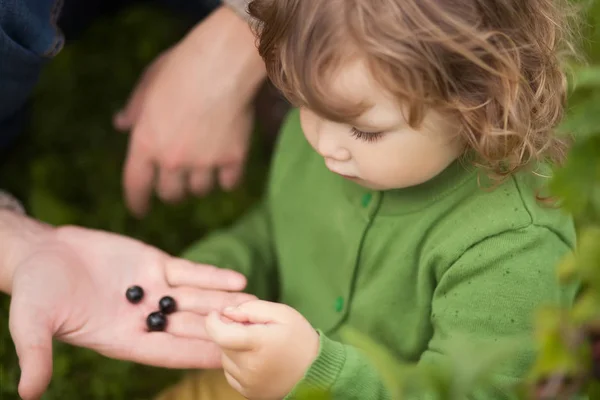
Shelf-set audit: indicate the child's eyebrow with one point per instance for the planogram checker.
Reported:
(357, 122)
(378, 120)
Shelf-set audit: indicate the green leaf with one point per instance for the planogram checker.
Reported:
(391, 370)
(561, 352)
(593, 390)
(567, 268)
(577, 183)
(583, 119)
(586, 76)
(587, 257)
(586, 311)
(465, 368)
(477, 370)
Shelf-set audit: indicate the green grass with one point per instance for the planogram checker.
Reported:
(68, 169)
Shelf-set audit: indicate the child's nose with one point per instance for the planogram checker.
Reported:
(329, 147)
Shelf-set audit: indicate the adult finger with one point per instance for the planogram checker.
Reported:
(127, 117)
(180, 272)
(202, 301)
(230, 175)
(229, 336)
(201, 181)
(138, 179)
(171, 184)
(187, 325)
(32, 335)
(162, 349)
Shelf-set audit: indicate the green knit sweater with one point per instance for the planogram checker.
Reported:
(412, 269)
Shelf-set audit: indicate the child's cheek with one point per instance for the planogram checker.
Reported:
(308, 122)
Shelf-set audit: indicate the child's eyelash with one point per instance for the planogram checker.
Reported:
(366, 136)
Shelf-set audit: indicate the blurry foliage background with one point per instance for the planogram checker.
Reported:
(69, 170)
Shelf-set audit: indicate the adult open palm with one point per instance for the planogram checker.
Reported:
(72, 287)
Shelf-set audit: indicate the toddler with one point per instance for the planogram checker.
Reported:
(405, 199)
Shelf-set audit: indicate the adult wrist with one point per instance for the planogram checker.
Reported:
(10, 202)
(240, 7)
(232, 33)
(19, 234)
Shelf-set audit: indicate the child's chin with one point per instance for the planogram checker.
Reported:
(380, 187)
(371, 185)
(375, 186)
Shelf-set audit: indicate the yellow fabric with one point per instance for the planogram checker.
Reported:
(201, 385)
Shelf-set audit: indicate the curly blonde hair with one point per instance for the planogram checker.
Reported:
(494, 65)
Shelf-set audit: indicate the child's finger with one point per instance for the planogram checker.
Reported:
(203, 301)
(226, 319)
(234, 383)
(228, 335)
(234, 315)
(257, 312)
(230, 366)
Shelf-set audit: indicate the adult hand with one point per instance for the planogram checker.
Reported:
(191, 113)
(70, 283)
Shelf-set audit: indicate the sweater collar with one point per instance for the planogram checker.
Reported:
(411, 199)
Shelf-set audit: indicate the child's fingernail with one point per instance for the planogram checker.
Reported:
(230, 309)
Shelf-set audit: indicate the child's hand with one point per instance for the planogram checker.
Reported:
(267, 347)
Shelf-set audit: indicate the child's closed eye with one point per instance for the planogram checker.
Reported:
(366, 136)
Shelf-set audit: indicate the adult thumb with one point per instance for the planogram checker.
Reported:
(125, 118)
(32, 336)
(122, 121)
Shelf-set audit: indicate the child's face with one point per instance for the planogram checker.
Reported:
(380, 151)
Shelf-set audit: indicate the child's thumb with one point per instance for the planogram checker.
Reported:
(33, 343)
(256, 312)
(228, 335)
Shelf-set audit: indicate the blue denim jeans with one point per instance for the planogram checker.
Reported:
(32, 32)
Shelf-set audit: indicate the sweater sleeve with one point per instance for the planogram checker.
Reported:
(487, 295)
(246, 247)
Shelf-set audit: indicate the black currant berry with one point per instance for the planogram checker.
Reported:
(167, 305)
(134, 294)
(156, 321)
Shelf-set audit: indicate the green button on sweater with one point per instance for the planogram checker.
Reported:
(412, 269)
